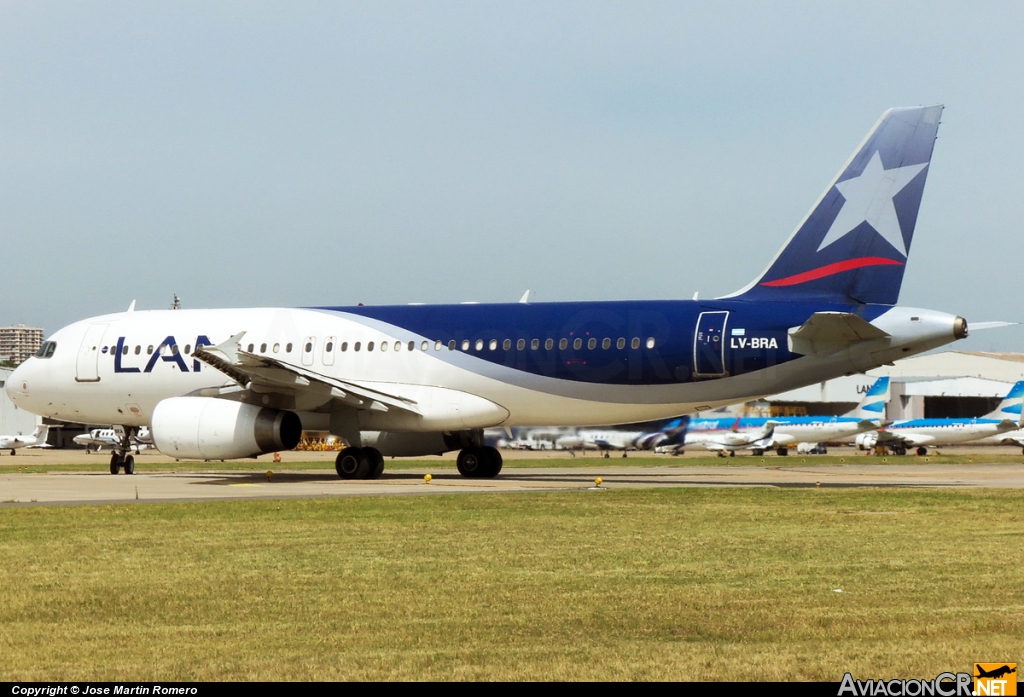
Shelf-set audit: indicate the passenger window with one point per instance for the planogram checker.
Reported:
(288, 348)
(606, 344)
(398, 346)
(309, 346)
(149, 351)
(577, 344)
(506, 344)
(437, 345)
(493, 344)
(188, 349)
(249, 349)
(592, 344)
(549, 344)
(479, 344)
(277, 347)
(344, 346)
(124, 350)
(369, 346)
(535, 344)
(263, 348)
(138, 349)
(423, 346)
(328, 348)
(621, 343)
(383, 346)
(465, 344)
(174, 349)
(636, 342)
(650, 342)
(521, 344)
(451, 345)
(563, 344)
(356, 347)
(412, 345)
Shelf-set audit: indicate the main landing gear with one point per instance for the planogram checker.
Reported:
(359, 463)
(120, 461)
(479, 462)
(120, 458)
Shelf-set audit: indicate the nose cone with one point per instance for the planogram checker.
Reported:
(17, 384)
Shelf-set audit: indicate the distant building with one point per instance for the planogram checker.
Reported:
(20, 342)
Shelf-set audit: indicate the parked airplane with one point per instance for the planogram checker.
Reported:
(720, 436)
(113, 437)
(922, 433)
(616, 439)
(791, 430)
(36, 440)
(221, 384)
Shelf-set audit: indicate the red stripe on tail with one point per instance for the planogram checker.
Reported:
(831, 270)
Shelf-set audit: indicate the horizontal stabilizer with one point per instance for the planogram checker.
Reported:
(827, 332)
(976, 326)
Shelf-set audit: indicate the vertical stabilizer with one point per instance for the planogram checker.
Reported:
(873, 405)
(853, 245)
(1010, 408)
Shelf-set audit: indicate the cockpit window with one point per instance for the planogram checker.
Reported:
(46, 349)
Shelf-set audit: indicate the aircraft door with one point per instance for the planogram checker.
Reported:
(709, 345)
(308, 346)
(87, 369)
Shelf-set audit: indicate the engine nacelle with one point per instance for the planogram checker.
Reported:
(866, 441)
(406, 444)
(205, 428)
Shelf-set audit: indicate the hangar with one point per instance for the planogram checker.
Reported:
(946, 384)
(13, 421)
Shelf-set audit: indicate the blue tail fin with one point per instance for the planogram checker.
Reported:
(873, 404)
(1010, 407)
(853, 245)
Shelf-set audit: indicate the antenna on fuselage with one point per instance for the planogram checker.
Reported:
(176, 305)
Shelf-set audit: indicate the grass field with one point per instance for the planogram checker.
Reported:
(631, 584)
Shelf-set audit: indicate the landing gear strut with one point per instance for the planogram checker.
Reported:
(120, 458)
(479, 462)
(359, 463)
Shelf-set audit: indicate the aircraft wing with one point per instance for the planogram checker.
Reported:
(268, 375)
(828, 332)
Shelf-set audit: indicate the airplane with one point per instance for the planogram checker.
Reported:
(715, 435)
(36, 440)
(616, 439)
(791, 430)
(235, 383)
(112, 438)
(898, 436)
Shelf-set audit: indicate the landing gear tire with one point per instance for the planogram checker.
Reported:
(479, 462)
(732, 453)
(115, 463)
(899, 450)
(782, 452)
(757, 452)
(352, 463)
(922, 451)
(376, 463)
(129, 465)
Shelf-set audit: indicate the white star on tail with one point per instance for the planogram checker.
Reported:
(869, 198)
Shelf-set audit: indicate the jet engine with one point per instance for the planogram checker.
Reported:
(205, 428)
(866, 441)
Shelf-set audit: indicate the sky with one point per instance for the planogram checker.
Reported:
(330, 153)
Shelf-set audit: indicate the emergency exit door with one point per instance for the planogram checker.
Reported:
(709, 345)
(89, 354)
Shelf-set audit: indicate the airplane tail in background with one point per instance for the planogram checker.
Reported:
(873, 405)
(853, 245)
(1010, 408)
(40, 433)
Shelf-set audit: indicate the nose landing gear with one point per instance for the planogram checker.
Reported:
(120, 458)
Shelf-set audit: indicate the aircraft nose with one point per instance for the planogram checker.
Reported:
(17, 384)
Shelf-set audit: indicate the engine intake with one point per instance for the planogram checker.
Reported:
(205, 428)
